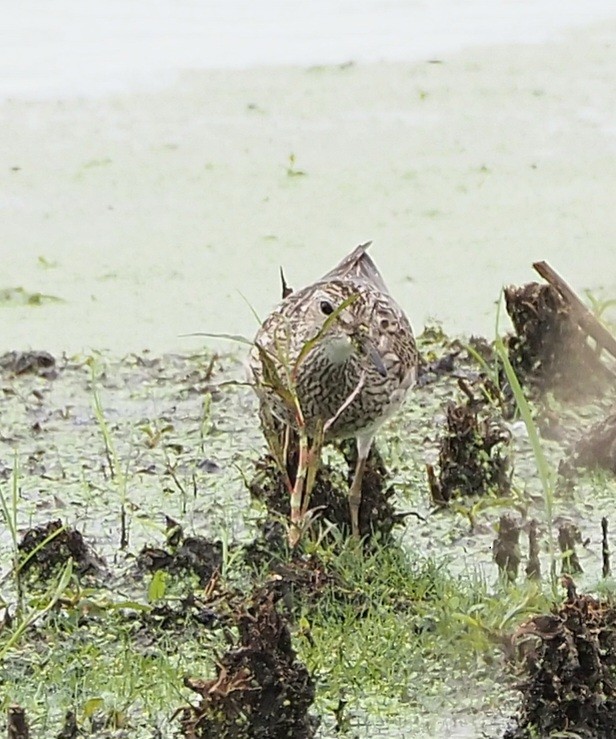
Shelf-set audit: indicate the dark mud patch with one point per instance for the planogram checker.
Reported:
(271, 543)
(49, 546)
(570, 665)
(298, 580)
(303, 582)
(184, 554)
(430, 370)
(260, 690)
(17, 723)
(549, 350)
(70, 730)
(186, 618)
(472, 455)
(569, 537)
(378, 515)
(507, 554)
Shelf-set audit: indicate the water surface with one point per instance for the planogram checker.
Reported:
(166, 208)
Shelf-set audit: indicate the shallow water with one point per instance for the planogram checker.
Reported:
(156, 214)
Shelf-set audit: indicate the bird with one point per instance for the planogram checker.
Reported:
(349, 352)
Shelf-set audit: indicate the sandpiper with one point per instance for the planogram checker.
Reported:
(359, 366)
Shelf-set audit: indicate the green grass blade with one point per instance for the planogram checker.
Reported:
(238, 338)
(250, 308)
(543, 468)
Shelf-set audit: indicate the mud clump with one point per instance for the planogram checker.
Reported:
(297, 580)
(17, 723)
(569, 536)
(303, 581)
(377, 514)
(471, 457)
(272, 543)
(549, 350)
(506, 549)
(570, 661)
(261, 690)
(194, 554)
(61, 544)
(430, 371)
(70, 730)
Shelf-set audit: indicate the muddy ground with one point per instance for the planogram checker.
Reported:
(184, 612)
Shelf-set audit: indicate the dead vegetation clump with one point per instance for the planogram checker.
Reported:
(570, 665)
(270, 545)
(506, 548)
(472, 455)
(549, 350)
(304, 581)
(17, 723)
(260, 689)
(186, 617)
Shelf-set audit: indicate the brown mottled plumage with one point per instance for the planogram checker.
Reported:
(358, 372)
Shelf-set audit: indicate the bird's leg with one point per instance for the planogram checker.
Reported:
(363, 449)
(297, 493)
(315, 448)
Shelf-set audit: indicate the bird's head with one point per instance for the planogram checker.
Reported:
(342, 318)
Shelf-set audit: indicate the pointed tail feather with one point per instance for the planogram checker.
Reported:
(358, 266)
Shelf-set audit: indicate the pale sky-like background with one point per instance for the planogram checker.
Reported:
(71, 47)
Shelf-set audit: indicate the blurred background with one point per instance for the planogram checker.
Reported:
(161, 160)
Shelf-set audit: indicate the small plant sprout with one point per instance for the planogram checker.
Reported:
(206, 420)
(118, 474)
(292, 170)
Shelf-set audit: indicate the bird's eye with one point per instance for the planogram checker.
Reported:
(327, 308)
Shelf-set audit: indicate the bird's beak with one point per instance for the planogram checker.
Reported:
(373, 355)
(376, 360)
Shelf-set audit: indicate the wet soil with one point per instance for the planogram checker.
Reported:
(18, 727)
(506, 550)
(38, 363)
(70, 730)
(597, 448)
(183, 555)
